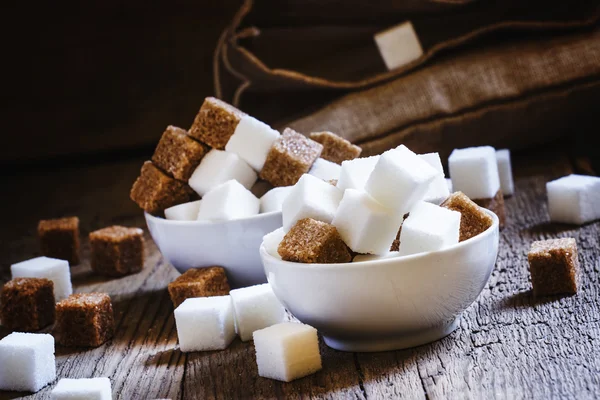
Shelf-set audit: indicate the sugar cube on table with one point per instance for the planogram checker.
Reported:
(183, 212)
(474, 171)
(505, 171)
(252, 141)
(274, 198)
(272, 240)
(287, 351)
(199, 282)
(438, 189)
(473, 220)
(50, 268)
(59, 238)
(325, 170)
(205, 323)
(355, 173)
(27, 361)
(218, 167)
(312, 198)
(27, 304)
(178, 154)
(254, 308)
(335, 148)
(117, 250)
(574, 199)
(364, 224)
(82, 389)
(84, 320)
(553, 265)
(215, 123)
(230, 200)
(373, 257)
(399, 45)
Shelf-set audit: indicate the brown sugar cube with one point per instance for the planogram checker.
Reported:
(553, 266)
(59, 238)
(199, 282)
(311, 241)
(84, 320)
(290, 157)
(473, 220)
(117, 250)
(495, 205)
(335, 148)
(27, 304)
(178, 154)
(215, 123)
(154, 190)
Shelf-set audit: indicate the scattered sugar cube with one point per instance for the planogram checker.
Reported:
(178, 154)
(325, 170)
(27, 361)
(438, 189)
(335, 148)
(399, 45)
(355, 173)
(27, 304)
(88, 389)
(254, 308)
(429, 228)
(199, 282)
(365, 224)
(496, 205)
(271, 242)
(287, 351)
(505, 172)
(553, 265)
(205, 323)
(274, 198)
(215, 123)
(84, 320)
(184, 212)
(473, 220)
(50, 268)
(59, 238)
(218, 167)
(252, 141)
(574, 199)
(373, 257)
(310, 198)
(117, 250)
(230, 200)
(449, 183)
(474, 171)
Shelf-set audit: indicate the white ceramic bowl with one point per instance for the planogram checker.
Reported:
(386, 304)
(233, 245)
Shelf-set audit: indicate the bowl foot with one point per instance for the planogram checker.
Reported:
(392, 343)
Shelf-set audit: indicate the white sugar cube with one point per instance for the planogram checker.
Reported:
(254, 308)
(474, 171)
(574, 199)
(27, 361)
(364, 224)
(184, 212)
(505, 172)
(312, 198)
(287, 351)
(50, 268)
(438, 189)
(374, 257)
(271, 242)
(428, 228)
(82, 389)
(449, 183)
(274, 198)
(325, 170)
(400, 179)
(218, 167)
(230, 200)
(399, 45)
(205, 323)
(252, 140)
(354, 173)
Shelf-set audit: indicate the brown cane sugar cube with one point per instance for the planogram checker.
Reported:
(117, 250)
(84, 320)
(199, 282)
(59, 238)
(311, 241)
(178, 154)
(473, 220)
(495, 205)
(553, 266)
(215, 122)
(154, 190)
(27, 304)
(335, 148)
(290, 157)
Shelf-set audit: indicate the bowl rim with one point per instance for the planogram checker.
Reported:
(161, 220)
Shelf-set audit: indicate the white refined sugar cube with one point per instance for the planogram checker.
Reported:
(230, 200)
(254, 308)
(400, 179)
(271, 242)
(354, 173)
(325, 170)
(50, 268)
(438, 189)
(364, 224)
(287, 351)
(184, 212)
(252, 140)
(574, 199)
(374, 257)
(274, 198)
(428, 228)
(312, 198)
(205, 323)
(82, 389)
(449, 183)
(27, 361)
(505, 172)
(399, 45)
(218, 167)
(474, 171)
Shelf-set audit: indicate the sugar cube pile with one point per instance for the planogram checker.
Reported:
(252, 141)
(355, 173)
(88, 389)
(574, 199)
(230, 200)
(255, 307)
(218, 167)
(50, 268)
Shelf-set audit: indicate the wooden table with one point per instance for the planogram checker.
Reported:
(508, 345)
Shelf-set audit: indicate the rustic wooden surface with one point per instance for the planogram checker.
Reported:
(508, 345)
